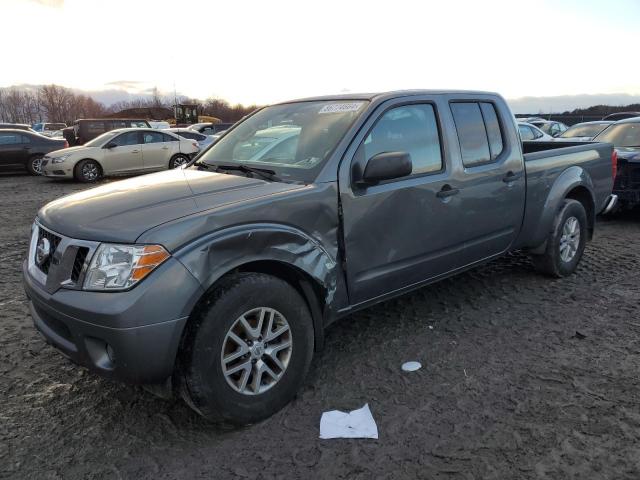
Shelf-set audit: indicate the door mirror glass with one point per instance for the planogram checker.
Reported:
(387, 166)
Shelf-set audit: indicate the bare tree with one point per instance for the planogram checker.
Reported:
(56, 102)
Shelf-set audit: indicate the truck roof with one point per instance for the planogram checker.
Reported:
(389, 95)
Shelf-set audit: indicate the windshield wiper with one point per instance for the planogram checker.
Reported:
(263, 172)
(199, 163)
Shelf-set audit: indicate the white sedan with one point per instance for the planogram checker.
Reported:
(122, 151)
(531, 133)
(203, 140)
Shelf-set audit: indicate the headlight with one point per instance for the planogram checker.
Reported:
(60, 159)
(118, 267)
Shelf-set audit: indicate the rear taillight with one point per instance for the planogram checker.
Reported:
(614, 164)
(66, 144)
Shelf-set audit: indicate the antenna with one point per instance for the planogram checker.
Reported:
(175, 100)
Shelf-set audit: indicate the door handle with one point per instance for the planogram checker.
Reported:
(165, 148)
(135, 151)
(510, 176)
(447, 191)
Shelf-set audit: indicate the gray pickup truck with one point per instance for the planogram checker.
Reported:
(219, 278)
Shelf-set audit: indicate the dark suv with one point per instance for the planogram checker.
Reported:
(87, 129)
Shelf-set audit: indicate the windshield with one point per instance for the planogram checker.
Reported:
(293, 139)
(101, 139)
(590, 130)
(624, 135)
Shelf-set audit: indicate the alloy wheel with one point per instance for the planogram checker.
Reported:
(256, 351)
(36, 164)
(90, 171)
(570, 239)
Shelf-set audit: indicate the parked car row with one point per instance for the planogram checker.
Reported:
(620, 129)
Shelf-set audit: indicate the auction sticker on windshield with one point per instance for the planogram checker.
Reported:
(341, 107)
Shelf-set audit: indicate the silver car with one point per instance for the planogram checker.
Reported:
(121, 151)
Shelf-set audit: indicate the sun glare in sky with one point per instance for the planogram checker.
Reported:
(262, 52)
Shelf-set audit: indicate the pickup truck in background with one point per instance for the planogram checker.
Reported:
(218, 279)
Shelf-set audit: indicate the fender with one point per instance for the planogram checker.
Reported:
(571, 178)
(214, 255)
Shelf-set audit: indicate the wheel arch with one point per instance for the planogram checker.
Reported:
(573, 183)
(277, 250)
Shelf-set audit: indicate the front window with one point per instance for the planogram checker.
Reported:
(622, 135)
(590, 130)
(294, 139)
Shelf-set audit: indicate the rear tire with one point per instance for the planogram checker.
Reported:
(87, 171)
(566, 241)
(34, 165)
(217, 343)
(177, 161)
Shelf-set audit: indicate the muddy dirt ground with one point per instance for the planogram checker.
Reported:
(523, 377)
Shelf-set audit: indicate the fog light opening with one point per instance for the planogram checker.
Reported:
(111, 354)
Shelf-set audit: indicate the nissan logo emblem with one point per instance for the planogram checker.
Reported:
(43, 250)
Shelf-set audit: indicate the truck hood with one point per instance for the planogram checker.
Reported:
(121, 211)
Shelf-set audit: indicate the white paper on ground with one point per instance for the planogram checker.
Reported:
(411, 366)
(355, 424)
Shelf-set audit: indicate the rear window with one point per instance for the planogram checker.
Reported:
(479, 132)
(472, 134)
(168, 138)
(95, 128)
(494, 134)
(590, 130)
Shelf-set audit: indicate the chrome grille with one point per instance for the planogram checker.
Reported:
(78, 263)
(66, 263)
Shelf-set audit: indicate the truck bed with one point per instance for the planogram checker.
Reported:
(553, 167)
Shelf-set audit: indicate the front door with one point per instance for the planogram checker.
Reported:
(402, 231)
(126, 154)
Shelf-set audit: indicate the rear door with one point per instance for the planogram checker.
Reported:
(156, 150)
(491, 183)
(126, 156)
(13, 149)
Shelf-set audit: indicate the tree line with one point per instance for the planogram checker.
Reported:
(54, 103)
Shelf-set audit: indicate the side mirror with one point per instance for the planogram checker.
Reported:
(556, 134)
(386, 166)
(110, 145)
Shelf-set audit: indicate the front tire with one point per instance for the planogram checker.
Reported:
(177, 161)
(247, 353)
(87, 171)
(566, 241)
(34, 165)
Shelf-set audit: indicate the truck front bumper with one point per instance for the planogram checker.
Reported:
(131, 336)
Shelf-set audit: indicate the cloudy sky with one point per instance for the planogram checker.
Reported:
(266, 51)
